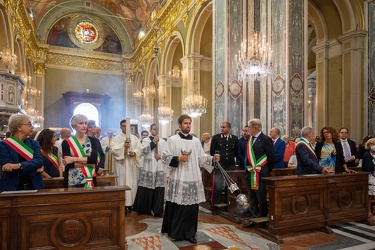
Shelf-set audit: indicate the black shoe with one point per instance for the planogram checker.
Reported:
(249, 225)
(192, 240)
(128, 210)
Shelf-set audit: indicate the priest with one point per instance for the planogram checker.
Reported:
(183, 155)
(126, 149)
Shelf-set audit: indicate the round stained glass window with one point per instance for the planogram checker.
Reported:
(86, 32)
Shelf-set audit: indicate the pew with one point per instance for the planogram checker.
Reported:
(101, 181)
(74, 218)
(304, 202)
(227, 210)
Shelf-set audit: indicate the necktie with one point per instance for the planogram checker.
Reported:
(273, 142)
(253, 139)
(346, 149)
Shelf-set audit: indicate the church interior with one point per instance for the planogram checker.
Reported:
(153, 60)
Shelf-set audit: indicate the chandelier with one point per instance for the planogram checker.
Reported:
(165, 113)
(31, 102)
(174, 77)
(254, 59)
(138, 96)
(150, 90)
(194, 104)
(146, 119)
(9, 60)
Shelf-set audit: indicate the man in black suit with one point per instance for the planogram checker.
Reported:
(259, 161)
(226, 145)
(350, 151)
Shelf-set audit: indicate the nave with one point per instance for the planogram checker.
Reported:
(143, 232)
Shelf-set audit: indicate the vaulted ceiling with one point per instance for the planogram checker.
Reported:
(133, 14)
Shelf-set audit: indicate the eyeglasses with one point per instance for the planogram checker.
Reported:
(325, 132)
(344, 132)
(27, 124)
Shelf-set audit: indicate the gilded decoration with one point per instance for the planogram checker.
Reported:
(84, 62)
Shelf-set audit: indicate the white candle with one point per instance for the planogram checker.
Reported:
(128, 128)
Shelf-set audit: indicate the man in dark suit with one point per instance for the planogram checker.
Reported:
(307, 161)
(226, 145)
(351, 154)
(259, 161)
(279, 146)
(242, 144)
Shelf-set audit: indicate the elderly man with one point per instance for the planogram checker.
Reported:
(307, 161)
(92, 131)
(206, 142)
(279, 146)
(259, 161)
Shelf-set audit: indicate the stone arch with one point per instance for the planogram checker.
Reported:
(196, 28)
(316, 18)
(174, 46)
(4, 29)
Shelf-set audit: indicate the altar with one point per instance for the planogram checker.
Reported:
(64, 218)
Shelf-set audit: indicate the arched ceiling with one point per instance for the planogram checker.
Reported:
(133, 14)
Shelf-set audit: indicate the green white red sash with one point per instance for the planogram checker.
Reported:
(255, 165)
(52, 158)
(20, 147)
(98, 159)
(303, 142)
(88, 171)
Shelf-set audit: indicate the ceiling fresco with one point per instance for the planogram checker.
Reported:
(132, 13)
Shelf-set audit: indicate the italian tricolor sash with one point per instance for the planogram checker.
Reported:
(98, 159)
(88, 171)
(52, 158)
(303, 142)
(255, 165)
(20, 147)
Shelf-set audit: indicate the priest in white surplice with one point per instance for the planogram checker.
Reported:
(127, 161)
(184, 156)
(152, 179)
(106, 143)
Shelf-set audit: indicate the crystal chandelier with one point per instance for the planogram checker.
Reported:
(9, 60)
(138, 96)
(165, 113)
(150, 90)
(174, 77)
(194, 104)
(146, 119)
(254, 59)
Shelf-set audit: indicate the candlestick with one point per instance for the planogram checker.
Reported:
(128, 128)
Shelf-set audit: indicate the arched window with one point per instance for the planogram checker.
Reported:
(88, 110)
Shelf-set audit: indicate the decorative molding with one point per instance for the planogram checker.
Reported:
(235, 89)
(84, 62)
(278, 85)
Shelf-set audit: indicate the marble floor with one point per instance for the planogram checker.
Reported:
(358, 235)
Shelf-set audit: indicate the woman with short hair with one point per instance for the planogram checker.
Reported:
(80, 155)
(20, 158)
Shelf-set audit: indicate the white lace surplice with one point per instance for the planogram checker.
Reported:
(185, 185)
(151, 172)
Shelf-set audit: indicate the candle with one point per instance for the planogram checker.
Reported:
(127, 128)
